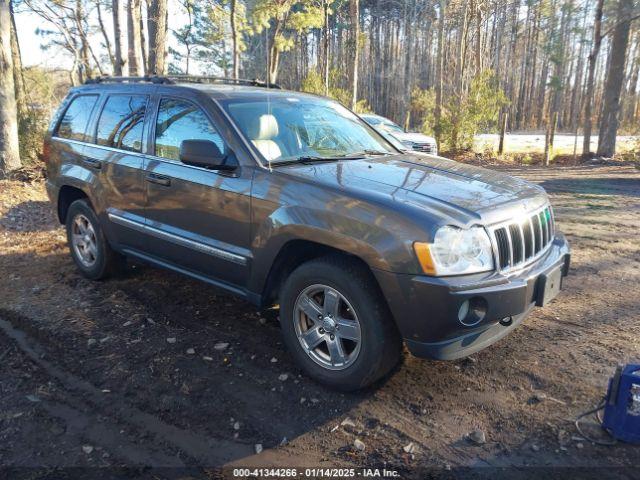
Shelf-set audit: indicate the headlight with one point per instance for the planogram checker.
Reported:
(456, 251)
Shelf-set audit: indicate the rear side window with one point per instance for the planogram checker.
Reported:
(179, 120)
(74, 121)
(121, 122)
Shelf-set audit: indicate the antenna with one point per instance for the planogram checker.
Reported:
(266, 38)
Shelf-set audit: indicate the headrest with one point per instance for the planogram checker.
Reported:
(267, 128)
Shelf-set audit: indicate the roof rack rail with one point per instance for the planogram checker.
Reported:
(110, 79)
(223, 80)
(173, 79)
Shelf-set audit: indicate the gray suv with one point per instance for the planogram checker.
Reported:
(289, 199)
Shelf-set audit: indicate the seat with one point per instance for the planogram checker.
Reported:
(263, 134)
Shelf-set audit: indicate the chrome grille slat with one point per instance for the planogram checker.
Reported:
(522, 243)
(536, 219)
(510, 242)
(503, 247)
(518, 243)
(545, 229)
(424, 147)
(527, 238)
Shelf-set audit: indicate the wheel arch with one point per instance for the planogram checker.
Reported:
(66, 196)
(296, 252)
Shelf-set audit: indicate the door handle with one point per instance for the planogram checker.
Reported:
(158, 179)
(93, 163)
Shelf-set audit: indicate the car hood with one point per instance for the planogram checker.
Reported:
(413, 137)
(452, 189)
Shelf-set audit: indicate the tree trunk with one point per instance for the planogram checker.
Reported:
(120, 66)
(632, 97)
(408, 65)
(461, 50)
(560, 62)
(325, 40)
(549, 138)
(143, 41)
(105, 36)
(234, 40)
(503, 132)
(354, 12)
(615, 78)
(16, 57)
(440, 78)
(274, 65)
(9, 149)
(85, 67)
(136, 67)
(478, 45)
(593, 59)
(157, 28)
(576, 104)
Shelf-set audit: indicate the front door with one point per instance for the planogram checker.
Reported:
(197, 219)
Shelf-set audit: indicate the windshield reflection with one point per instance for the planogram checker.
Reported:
(289, 127)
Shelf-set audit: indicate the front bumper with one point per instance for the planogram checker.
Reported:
(426, 308)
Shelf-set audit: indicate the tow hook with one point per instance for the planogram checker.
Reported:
(506, 321)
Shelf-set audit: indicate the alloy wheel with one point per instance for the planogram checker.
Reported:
(327, 327)
(83, 240)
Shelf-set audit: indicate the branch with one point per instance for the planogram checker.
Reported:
(611, 29)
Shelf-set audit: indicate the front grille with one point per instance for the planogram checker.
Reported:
(517, 243)
(424, 147)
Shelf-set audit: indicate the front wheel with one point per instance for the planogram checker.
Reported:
(337, 325)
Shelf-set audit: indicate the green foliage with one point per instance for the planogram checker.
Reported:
(423, 106)
(186, 37)
(314, 83)
(476, 112)
(44, 93)
(210, 36)
(32, 126)
(285, 17)
(211, 23)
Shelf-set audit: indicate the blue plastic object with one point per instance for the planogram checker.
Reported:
(622, 407)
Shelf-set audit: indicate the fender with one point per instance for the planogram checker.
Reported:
(378, 244)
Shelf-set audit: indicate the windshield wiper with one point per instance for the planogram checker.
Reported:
(368, 152)
(313, 159)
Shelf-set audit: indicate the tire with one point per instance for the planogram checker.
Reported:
(97, 262)
(360, 302)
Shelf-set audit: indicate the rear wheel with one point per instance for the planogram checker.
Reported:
(89, 248)
(337, 325)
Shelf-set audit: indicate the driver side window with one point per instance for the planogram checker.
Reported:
(180, 120)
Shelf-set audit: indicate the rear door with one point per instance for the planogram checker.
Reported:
(65, 161)
(198, 219)
(117, 153)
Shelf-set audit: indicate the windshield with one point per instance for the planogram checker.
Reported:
(285, 128)
(392, 127)
(371, 120)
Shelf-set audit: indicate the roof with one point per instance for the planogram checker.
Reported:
(240, 91)
(226, 89)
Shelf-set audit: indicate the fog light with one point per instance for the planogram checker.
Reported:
(464, 311)
(472, 311)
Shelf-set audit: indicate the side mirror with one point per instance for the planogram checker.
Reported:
(204, 153)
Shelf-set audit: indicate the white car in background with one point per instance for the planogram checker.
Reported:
(413, 141)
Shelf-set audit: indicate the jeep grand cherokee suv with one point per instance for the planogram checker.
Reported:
(290, 199)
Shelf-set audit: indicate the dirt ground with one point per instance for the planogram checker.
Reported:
(133, 373)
